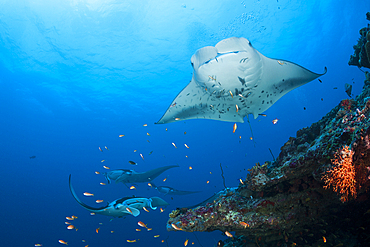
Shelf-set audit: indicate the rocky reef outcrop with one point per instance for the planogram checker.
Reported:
(361, 56)
(316, 193)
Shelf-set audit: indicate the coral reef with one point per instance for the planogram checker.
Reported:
(316, 193)
(305, 197)
(361, 56)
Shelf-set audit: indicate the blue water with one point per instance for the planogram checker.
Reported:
(74, 75)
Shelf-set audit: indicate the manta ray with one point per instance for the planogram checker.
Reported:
(123, 206)
(131, 176)
(171, 191)
(232, 80)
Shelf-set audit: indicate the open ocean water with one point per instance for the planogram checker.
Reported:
(76, 74)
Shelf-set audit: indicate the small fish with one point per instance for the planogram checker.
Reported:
(229, 234)
(140, 223)
(145, 125)
(147, 134)
(190, 168)
(69, 218)
(88, 194)
(237, 108)
(232, 96)
(186, 156)
(242, 223)
(121, 135)
(32, 157)
(149, 229)
(166, 129)
(150, 185)
(62, 242)
(161, 210)
(241, 95)
(175, 227)
(150, 152)
(275, 121)
(132, 162)
(97, 172)
(131, 241)
(234, 127)
(174, 104)
(97, 230)
(102, 161)
(38, 245)
(174, 145)
(129, 210)
(177, 118)
(162, 241)
(281, 63)
(241, 181)
(92, 213)
(164, 180)
(186, 145)
(335, 88)
(111, 231)
(132, 188)
(102, 183)
(185, 133)
(186, 242)
(106, 147)
(135, 151)
(212, 78)
(67, 223)
(156, 236)
(138, 230)
(101, 150)
(142, 156)
(251, 138)
(207, 182)
(263, 115)
(320, 80)
(106, 167)
(146, 210)
(70, 227)
(99, 201)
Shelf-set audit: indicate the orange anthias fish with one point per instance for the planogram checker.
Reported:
(106, 167)
(70, 227)
(176, 227)
(235, 127)
(63, 242)
(244, 224)
(88, 194)
(121, 135)
(99, 201)
(140, 223)
(146, 210)
(131, 241)
(186, 242)
(129, 210)
(275, 121)
(69, 218)
(229, 234)
(97, 230)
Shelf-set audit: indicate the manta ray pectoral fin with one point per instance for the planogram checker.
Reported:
(107, 177)
(157, 202)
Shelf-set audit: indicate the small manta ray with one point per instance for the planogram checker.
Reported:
(131, 176)
(122, 207)
(232, 80)
(171, 191)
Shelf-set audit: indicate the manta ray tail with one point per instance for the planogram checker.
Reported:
(157, 202)
(91, 209)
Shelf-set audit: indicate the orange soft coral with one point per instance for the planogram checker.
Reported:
(341, 177)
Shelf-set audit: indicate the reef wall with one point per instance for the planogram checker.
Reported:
(314, 193)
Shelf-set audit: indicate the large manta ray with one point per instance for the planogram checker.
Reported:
(232, 80)
(131, 176)
(123, 206)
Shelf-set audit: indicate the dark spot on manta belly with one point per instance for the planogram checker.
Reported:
(241, 80)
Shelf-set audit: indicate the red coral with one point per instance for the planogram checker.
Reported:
(341, 177)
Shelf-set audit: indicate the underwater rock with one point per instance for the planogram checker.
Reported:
(361, 56)
(305, 197)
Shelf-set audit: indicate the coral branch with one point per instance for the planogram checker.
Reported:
(341, 177)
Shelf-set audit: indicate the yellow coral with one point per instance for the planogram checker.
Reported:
(341, 177)
(174, 213)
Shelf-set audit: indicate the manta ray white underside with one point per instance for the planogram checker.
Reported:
(232, 80)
